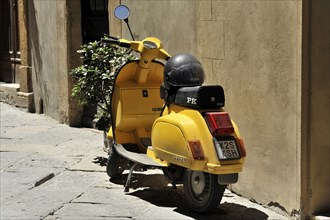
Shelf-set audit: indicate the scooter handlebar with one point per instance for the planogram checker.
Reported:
(138, 45)
(116, 41)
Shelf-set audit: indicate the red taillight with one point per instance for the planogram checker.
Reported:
(196, 149)
(219, 123)
(242, 148)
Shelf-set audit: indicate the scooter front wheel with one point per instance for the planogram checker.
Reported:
(202, 191)
(116, 164)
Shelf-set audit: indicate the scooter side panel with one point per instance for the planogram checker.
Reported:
(169, 144)
(183, 127)
(189, 126)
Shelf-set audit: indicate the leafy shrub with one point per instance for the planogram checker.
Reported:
(95, 78)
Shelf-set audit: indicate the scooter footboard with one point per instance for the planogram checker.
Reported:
(139, 158)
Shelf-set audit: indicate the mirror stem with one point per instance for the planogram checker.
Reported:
(129, 28)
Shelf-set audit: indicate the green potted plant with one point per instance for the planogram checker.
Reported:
(95, 78)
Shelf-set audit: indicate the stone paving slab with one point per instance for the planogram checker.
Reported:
(71, 148)
(73, 181)
(39, 160)
(23, 131)
(7, 159)
(15, 181)
(18, 118)
(8, 145)
(93, 162)
(80, 147)
(78, 217)
(54, 136)
(95, 211)
(35, 202)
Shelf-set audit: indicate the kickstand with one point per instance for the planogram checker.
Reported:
(128, 181)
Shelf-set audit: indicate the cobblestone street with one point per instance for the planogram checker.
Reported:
(52, 171)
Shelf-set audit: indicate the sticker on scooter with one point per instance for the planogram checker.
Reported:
(179, 159)
(157, 109)
(192, 101)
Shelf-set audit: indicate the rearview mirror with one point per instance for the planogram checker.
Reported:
(121, 12)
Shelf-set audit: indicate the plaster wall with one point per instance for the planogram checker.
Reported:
(173, 22)
(316, 108)
(253, 51)
(54, 37)
(44, 59)
(69, 24)
(272, 58)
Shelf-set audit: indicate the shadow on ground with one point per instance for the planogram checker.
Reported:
(102, 161)
(154, 189)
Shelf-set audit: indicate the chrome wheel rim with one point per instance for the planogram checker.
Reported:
(200, 185)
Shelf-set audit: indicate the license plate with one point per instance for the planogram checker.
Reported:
(227, 150)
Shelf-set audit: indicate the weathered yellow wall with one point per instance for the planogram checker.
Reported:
(271, 57)
(54, 38)
(252, 48)
(43, 48)
(173, 22)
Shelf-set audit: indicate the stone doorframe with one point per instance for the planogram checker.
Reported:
(21, 94)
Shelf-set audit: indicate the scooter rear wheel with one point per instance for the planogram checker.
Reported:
(202, 191)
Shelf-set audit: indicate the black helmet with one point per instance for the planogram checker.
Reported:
(183, 70)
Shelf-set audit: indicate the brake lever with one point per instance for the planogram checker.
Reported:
(111, 37)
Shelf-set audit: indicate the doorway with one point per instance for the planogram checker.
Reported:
(95, 19)
(9, 41)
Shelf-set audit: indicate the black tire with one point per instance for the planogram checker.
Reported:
(202, 191)
(116, 164)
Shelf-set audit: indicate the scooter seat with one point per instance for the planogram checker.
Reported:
(196, 97)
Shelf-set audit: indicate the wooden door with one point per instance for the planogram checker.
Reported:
(9, 41)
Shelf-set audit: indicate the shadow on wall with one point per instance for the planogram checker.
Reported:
(38, 82)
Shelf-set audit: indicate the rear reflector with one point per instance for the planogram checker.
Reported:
(219, 123)
(196, 149)
(242, 148)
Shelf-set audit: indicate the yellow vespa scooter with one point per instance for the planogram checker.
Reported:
(162, 116)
